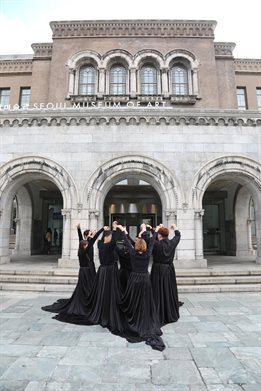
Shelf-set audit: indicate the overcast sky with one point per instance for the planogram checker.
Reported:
(23, 22)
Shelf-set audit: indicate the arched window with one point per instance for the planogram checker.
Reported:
(179, 80)
(87, 80)
(117, 80)
(148, 78)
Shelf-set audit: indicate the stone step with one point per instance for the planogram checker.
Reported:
(72, 280)
(71, 272)
(56, 288)
(39, 279)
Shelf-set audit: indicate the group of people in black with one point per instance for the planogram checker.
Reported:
(127, 300)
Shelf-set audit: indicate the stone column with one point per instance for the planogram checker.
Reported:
(93, 219)
(101, 87)
(199, 234)
(165, 86)
(249, 236)
(71, 89)
(258, 235)
(65, 260)
(4, 236)
(187, 246)
(195, 90)
(171, 218)
(133, 83)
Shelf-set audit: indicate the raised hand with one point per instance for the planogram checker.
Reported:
(114, 224)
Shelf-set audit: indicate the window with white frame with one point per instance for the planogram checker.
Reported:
(179, 79)
(258, 96)
(241, 98)
(117, 80)
(25, 94)
(148, 80)
(4, 96)
(87, 80)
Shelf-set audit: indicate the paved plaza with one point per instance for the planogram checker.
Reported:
(215, 346)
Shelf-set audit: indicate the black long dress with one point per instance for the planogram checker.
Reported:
(105, 295)
(76, 303)
(137, 303)
(101, 305)
(163, 279)
(123, 256)
(125, 266)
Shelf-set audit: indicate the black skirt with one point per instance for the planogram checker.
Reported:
(124, 276)
(102, 304)
(103, 301)
(164, 287)
(76, 304)
(139, 311)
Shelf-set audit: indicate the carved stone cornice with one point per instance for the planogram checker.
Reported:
(42, 50)
(224, 49)
(125, 116)
(247, 65)
(133, 28)
(16, 66)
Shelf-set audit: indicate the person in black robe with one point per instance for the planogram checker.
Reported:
(76, 303)
(101, 305)
(163, 276)
(86, 235)
(137, 303)
(122, 255)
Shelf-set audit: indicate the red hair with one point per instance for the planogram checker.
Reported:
(163, 231)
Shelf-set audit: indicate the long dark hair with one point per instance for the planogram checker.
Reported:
(81, 245)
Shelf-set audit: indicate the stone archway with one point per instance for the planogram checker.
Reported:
(151, 171)
(14, 175)
(238, 169)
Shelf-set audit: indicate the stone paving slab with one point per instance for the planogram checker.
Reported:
(215, 346)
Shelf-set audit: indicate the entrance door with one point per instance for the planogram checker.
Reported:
(131, 202)
(132, 221)
(213, 232)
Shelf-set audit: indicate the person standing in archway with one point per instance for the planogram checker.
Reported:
(163, 276)
(48, 241)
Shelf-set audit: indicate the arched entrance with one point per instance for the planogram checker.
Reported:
(34, 193)
(228, 189)
(134, 171)
(132, 202)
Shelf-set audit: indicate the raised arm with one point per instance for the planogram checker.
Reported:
(151, 243)
(94, 238)
(79, 232)
(177, 236)
(127, 240)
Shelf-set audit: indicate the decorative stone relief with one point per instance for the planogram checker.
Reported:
(133, 28)
(224, 49)
(42, 49)
(152, 117)
(66, 213)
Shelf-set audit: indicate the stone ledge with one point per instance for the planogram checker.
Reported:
(133, 28)
(130, 116)
(181, 288)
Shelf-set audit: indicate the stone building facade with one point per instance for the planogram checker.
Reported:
(140, 121)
